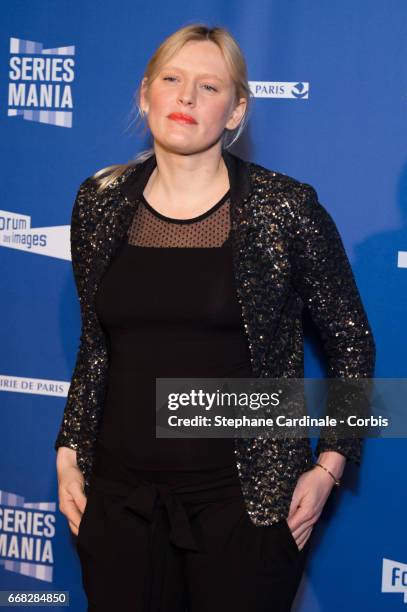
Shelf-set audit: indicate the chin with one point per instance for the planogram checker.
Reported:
(176, 145)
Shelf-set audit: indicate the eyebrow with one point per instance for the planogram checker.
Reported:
(205, 74)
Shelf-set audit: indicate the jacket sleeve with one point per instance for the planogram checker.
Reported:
(323, 277)
(79, 241)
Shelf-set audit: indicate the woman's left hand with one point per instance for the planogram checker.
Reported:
(310, 494)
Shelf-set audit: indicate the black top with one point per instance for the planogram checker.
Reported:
(169, 306)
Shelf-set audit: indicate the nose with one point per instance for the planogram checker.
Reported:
(187, 100)
(187, 95)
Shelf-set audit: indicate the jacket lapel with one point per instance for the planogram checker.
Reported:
(133, 186)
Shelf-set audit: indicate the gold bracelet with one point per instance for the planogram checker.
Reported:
(337, 482)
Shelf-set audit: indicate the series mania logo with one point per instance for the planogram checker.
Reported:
(27, 530)
(40, 82)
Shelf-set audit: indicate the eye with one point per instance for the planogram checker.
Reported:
(211, 87)
(205, 85)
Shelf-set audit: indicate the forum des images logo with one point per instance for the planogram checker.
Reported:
(40, 82)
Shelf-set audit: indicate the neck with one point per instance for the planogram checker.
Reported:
(187, 180)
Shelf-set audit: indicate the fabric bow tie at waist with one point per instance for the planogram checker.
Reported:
(158, 504)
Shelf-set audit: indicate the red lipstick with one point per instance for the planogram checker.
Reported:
(182, 117)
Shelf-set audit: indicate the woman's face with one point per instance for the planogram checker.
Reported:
(195, 82)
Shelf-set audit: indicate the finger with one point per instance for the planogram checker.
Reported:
(303, 527)
(295, 503)
(72, 513)
(73, 528)
(299, 517)
(76, 491)
(302, 540)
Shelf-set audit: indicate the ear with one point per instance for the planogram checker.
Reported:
(237, 114)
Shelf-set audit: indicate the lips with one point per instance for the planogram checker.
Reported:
(181, 118)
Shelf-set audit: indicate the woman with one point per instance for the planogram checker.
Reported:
(194, 263)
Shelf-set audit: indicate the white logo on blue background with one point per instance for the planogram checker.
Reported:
(394, 577)
(16, 233)
(279, 89)
(26, 532)
(402, 259)
(40, 82)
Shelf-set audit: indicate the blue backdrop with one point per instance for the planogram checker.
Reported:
(330, 83)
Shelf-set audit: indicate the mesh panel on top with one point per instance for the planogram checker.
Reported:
(153, 229)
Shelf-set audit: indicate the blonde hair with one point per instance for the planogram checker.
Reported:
(170, 46)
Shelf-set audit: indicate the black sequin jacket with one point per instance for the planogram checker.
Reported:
(288, 255)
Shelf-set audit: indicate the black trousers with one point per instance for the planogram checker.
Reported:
(178, 542)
